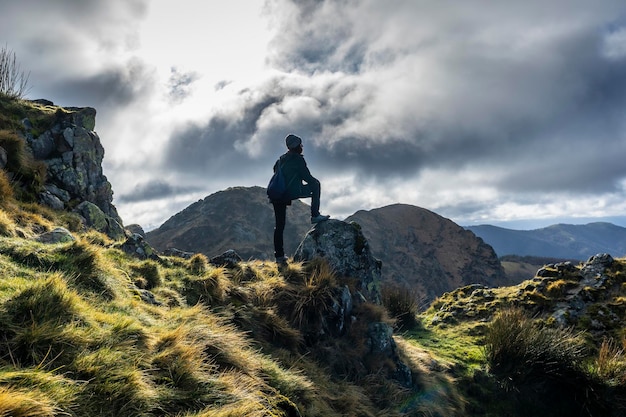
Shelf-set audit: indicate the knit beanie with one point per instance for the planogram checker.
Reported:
(293, 141)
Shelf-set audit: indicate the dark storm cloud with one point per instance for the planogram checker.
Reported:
(211, 148)
(524, 90)
(108, 89)
(155, 190)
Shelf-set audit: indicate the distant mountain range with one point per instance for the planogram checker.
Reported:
(565, 241)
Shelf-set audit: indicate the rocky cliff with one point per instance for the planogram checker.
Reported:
(64, 142)
(427, 251)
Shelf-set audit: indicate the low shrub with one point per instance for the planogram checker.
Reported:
(541, 367)
(402, 303)
(150, 274)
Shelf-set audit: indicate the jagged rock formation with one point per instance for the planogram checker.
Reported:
(347, 251)
(239, 218)
(64, 140)
(426, 251)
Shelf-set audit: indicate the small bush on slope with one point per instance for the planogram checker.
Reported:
(542, 367)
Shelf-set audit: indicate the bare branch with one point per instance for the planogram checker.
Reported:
(13, 81)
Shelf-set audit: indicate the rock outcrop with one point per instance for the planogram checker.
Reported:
(63, 138)
(347, 251)
(586, 295)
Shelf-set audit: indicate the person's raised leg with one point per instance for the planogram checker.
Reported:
(314, 189)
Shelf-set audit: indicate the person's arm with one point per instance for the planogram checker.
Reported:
(304, 173)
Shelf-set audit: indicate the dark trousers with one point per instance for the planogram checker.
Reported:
(280, 214)
(311, 190)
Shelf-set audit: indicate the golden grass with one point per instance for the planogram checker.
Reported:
(7, 227)
(21, 403)
(251, 340)
(6, 190)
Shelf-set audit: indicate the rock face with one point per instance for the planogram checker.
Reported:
(66, 143)
(238, 218)
(347, 252)
(431, 254)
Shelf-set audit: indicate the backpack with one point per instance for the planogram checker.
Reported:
(277, 188)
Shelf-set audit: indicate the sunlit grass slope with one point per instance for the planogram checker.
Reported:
(86, 330)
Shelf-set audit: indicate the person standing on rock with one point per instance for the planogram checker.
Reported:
(295, 172)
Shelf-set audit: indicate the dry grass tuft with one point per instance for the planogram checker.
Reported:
(146, 274)
(21, 403)
(6, 190)
(180, 361)
(198, 264)
(7, 227)
(28, 172)
(209, 289)
(610, 364)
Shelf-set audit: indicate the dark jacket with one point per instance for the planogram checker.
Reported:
(295, 171)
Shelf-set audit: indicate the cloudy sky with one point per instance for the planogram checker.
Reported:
(483, 111)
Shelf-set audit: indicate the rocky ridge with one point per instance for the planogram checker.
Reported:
(588, 296)
(64, 140)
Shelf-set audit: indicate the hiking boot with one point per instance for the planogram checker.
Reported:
(282, 260)
(319, 218)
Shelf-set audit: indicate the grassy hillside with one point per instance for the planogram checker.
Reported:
(82, 334)
(87, 330)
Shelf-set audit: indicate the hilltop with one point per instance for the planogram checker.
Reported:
(239, 218)
(94, 322)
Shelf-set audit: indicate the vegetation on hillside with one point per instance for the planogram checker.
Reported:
(89, 330)
(80, 336)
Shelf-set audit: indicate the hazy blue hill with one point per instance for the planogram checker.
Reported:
(557, 241)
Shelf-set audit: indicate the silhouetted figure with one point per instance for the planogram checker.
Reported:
(295, 172)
